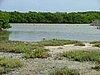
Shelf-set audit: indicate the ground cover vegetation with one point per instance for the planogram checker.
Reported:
(32, 50)
(6, 65)
(56, 42)
(95, 43)
(83, 55)
(64, 71)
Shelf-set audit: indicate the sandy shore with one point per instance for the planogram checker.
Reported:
(71, 47)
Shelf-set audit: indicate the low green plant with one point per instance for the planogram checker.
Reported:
(37, 53)
(64, 71)
(2, 70)
(31, 50)
(97, 45)
(79, 44)
(17, 47)
(93, 42)
(10, 63)
(7, 64)
(24, 47)
(56, 42)
(83, 55)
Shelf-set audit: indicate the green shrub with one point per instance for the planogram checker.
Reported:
(37, 53)
(17, 47)
(7, 64)
(79, 44)
(24, 47)
(83, 55)
(97, 45)
(94, 42)
(2, 70)
(64, 71)
(56, 42)
(31, 50)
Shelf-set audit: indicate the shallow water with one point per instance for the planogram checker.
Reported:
(36, 32)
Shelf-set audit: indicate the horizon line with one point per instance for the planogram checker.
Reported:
(49, 11)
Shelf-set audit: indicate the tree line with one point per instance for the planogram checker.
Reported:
(58, 17)
(47, 17)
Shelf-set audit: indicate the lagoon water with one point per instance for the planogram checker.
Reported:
(36, 32)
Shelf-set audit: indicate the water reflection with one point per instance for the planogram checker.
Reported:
(4, 35)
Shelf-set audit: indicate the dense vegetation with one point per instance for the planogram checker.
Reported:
(7, 65)
(83, 55)
(4, 21)
(64, 71)
(47, 17)
(58, 17)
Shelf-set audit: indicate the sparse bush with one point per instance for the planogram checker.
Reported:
(17, 47)
(56, 42)
(97, 45)
(94, 42)
(83, 55)
(2, 70)
(31, 50)
(79, 44)
(7, 64)
(64, 71)
(24, 47)
(37, 53)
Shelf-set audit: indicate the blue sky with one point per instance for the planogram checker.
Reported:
(50, 5)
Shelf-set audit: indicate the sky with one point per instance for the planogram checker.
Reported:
(50, 5)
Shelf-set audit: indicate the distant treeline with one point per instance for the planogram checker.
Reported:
(58, 17)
